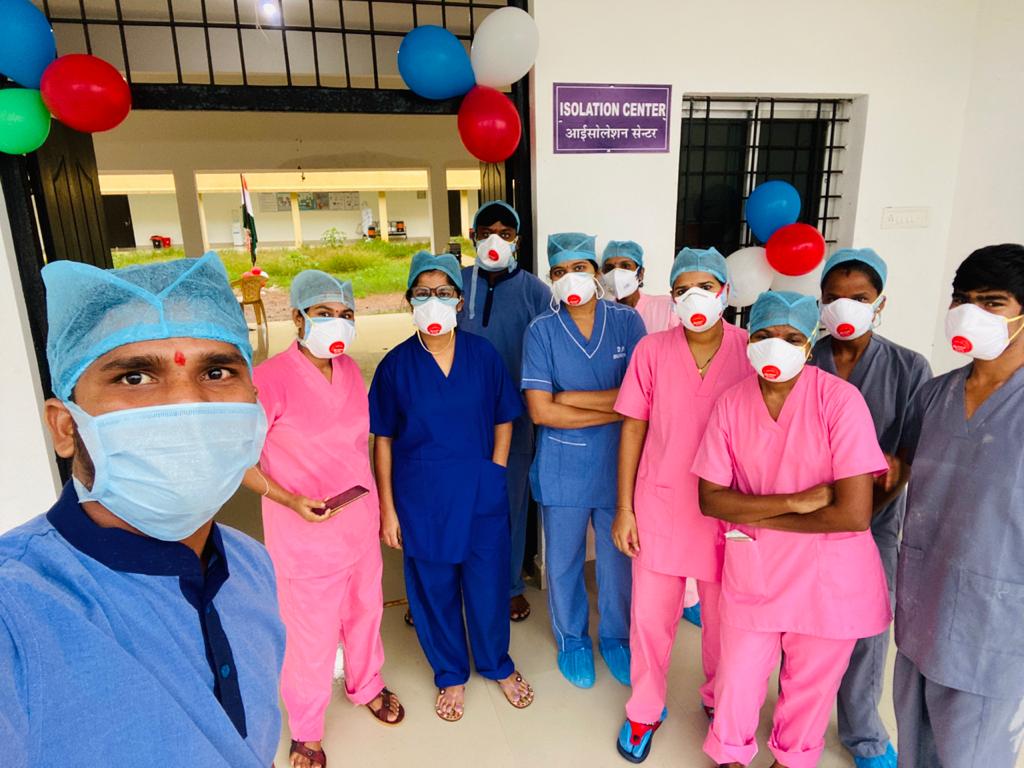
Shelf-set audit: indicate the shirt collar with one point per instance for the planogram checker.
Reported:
(122, 550)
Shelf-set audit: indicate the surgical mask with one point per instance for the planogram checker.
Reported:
(494, 254)
(846, 319)
(327, 337)
(434, 316)
(776, 360)
(621, 283)
(700, 309)
(574, 288)
(168, 469)
(982, 335)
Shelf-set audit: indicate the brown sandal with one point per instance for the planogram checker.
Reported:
(315, 755)
(381, 713)
(524, 701)
(452, 717)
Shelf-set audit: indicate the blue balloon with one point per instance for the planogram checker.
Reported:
(434, 64)
(772, 205)
(27, 46)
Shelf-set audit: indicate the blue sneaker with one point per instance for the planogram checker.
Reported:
(634, 741)
(888, 760)
(577, 667)
(692, 614)
(616, 655)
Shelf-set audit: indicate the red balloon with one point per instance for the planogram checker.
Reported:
(489, 124)
(795, 249)
(85, 93)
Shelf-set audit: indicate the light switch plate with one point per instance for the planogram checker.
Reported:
(905, 218)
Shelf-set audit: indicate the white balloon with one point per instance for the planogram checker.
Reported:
(504, 47)
(809, 284)
(750, 275)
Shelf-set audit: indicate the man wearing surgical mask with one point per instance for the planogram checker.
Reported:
(327, 561)
(133, 629)
(574, 359)
(622, 268)
(959, 680)
(888, 376)
(502, 300)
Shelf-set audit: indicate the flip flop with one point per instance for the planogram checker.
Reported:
(407, 618)
(452, 717)
(381, 714)
(634, 742)
(316, 755)
(524, 701)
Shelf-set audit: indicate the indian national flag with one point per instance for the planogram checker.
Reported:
(248, 221)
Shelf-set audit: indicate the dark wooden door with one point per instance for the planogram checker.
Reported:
(118, 214)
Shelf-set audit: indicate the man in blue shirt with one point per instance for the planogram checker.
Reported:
(132, 628)
(502, 300)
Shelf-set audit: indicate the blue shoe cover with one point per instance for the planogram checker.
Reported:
(577, 666)
(634, 742)
(888, 760)
(692, 614)
(616, 655)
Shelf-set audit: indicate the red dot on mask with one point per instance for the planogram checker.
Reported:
(434, 328)
(493, 255)
(698, 320)
(962, 345)
(845, 330)
(179, 358)
(770, 372)
(337, 347)
(573, 300)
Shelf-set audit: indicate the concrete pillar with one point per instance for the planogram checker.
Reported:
(296, 220)
(465, 221)
(28, 472)
(437, 195)
(202, 222)
(189, 216)
(382, 215)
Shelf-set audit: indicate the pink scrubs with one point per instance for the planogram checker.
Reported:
(328, 574)
(662, 387)
(806, 595)
(657, 312)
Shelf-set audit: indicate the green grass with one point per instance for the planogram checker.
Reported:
(373, 267)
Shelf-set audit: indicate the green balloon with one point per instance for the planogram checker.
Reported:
(24, 121)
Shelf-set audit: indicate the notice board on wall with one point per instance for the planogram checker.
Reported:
(605, 118)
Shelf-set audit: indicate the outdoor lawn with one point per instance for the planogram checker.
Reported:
(378, 270)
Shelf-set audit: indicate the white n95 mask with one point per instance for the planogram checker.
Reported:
(621, 283)
(982, 335)
(574, 288)
(776, 360)
(699, 309)
(435, 316)
(846, 319)
(493, 253)
(328, 337)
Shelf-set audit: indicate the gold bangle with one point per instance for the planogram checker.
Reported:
(266, 482)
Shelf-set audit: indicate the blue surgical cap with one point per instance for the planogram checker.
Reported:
(425, 261)
(571, 246)
(498, 204)
(784, 308)
(311, 287)
(92, 311)
(623, 249)
(699, 260)
(863, 255)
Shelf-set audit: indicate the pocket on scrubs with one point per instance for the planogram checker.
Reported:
(743, 575)
(493, 493)
(846, 562)
(653, 504)
(991, 604)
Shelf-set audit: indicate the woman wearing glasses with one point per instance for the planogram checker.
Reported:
(441, 409)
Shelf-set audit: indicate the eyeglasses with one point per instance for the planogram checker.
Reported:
(442, 292)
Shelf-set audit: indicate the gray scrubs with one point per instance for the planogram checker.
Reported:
(888, 376)
(960, 588)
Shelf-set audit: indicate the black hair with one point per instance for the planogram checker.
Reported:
(855, 265)
(494, 213)
(994, 267)
(458, 291)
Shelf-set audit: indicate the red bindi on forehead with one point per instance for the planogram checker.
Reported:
(179, 358)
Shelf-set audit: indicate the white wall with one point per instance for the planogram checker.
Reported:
(912, 60)
(28, 473)
(154, 215)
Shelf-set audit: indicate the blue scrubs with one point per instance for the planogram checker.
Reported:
(451, 499)
(574, 475)
(118, 649)
(499, 307)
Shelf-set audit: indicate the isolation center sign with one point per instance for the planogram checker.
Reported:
(611, 118)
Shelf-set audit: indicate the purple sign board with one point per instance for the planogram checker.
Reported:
(611, 118)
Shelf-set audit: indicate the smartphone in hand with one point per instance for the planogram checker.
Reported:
(343, 499)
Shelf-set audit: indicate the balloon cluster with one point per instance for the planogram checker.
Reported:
(792, 252)
(83, 92)
(434, 65)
